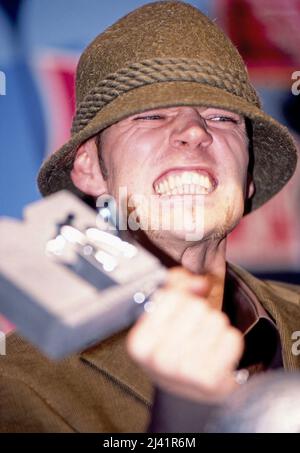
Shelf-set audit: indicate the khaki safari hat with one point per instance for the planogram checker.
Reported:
(167, 54)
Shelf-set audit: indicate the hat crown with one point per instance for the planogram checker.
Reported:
(167, 29)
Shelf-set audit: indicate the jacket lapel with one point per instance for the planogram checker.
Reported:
(110, 358)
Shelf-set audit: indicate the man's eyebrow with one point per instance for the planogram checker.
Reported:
(220, 110)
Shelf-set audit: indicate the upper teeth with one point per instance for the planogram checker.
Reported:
(187, 182)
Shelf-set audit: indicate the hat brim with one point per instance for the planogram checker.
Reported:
(275, 153)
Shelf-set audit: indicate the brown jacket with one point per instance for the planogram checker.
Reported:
(102, 390)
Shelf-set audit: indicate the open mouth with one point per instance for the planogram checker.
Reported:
(185, 182)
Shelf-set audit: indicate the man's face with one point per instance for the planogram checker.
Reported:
(180, 153)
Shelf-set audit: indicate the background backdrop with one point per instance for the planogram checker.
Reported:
(40, 42)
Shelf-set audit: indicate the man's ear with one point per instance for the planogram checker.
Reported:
(86, 174)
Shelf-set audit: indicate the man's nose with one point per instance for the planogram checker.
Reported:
(190, 133)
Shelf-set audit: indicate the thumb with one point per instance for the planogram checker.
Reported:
(182, 279)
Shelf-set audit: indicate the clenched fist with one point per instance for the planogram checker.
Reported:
(187, 346)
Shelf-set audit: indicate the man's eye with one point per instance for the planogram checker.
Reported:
(224, 118)
(148, 117)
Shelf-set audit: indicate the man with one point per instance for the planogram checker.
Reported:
(166, 110)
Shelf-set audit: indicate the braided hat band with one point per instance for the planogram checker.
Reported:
(162, 70)
(166, 54)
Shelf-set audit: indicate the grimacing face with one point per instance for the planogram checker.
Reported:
(196, 153)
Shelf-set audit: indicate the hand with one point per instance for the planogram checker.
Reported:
(185, 345)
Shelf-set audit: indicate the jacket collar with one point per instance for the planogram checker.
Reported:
(279, 300)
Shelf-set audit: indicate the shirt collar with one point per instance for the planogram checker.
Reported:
(241, 304)
(261, 336)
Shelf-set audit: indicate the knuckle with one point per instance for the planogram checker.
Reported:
(160, 296)
(197, 308)
(235, 336)
(219, 319)
(133, 347)
(223, 320)
(211, 383)
(176, 270)
(174, 274)
(160, 364)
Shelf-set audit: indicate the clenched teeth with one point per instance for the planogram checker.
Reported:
(187, 182)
